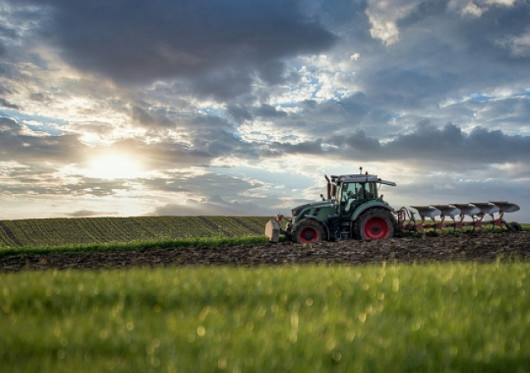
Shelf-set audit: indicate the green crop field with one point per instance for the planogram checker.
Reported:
(450, 317)
(60, 232)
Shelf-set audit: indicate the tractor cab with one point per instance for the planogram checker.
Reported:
(350, 195)
(352, 191)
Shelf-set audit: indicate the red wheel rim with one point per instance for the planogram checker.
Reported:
(376, 229)
(308, 234)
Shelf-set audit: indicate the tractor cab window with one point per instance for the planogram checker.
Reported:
(358, 191)
(353, 193)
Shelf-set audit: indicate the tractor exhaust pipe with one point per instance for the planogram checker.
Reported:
(328, 187)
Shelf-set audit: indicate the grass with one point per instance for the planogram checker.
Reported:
(165, 243)
(445, 317)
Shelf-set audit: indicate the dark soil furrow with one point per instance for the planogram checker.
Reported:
(485, 247)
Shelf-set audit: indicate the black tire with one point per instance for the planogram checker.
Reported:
(515, 226)
(375, 224)
(308, 231)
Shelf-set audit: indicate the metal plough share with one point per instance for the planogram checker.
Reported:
(460, 215)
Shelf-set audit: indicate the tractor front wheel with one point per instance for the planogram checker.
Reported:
(308, 231)
(374, 224)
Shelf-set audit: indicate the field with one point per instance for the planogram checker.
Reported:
(448, 317)
(62, 232)
(454, 303)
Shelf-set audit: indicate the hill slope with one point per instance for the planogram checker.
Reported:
(65, 231)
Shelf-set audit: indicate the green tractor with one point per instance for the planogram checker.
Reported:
(352, 209)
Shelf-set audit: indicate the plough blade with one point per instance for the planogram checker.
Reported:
(448, 210)
(427, 211)
(467, 209)
(506, 206)
(474, 212)
(486, 207)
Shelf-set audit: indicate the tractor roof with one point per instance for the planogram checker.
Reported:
(360, 178)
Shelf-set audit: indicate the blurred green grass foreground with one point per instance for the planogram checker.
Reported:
(437, 318)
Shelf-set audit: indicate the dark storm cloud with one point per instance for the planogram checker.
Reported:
(18, 146)
(267, 111)
(441, 54)
(218, 137)
(305, 147)
(240, 113)
(425, 145)
(222, 83)
(216, 42)
(151, 118)
(6, 104)
(451, 144)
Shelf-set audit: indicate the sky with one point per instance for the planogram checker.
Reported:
(207, 107)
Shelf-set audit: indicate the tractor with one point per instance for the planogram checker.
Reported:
(352, 208)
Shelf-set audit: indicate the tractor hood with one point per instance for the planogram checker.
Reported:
(310, 206)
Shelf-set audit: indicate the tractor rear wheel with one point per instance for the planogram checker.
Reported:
(308, 231)
(374, 224)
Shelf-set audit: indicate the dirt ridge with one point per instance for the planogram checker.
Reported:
(486, 247)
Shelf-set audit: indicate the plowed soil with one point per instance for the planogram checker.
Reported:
(485, 247)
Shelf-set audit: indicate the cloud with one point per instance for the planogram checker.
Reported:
(151, 118)
(475, 8)
(450, 145)
(383, 18)
(214, 205)
(203, 185)
(250, 101)
(19, 144)
(518, 45)
(213, 194)
(426, 145)
(7, 104)
(207, 43)
(88, 213)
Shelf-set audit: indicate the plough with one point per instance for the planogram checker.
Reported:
(460, 215)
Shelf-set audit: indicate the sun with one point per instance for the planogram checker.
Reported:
(114, 166)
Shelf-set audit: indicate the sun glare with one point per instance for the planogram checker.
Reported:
(114, 166)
